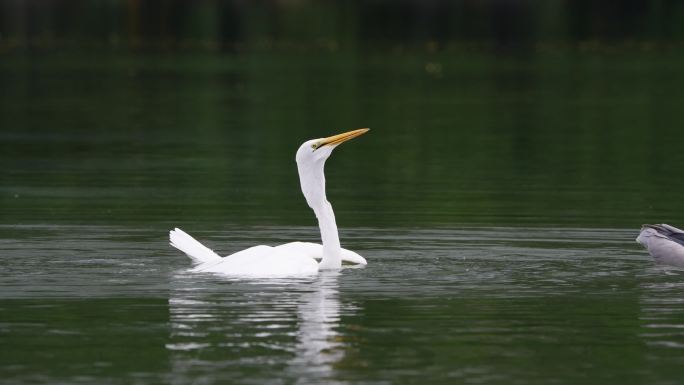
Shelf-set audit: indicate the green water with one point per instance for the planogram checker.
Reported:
(590, 140)
(496, 199)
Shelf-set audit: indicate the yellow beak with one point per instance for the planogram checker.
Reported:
(339, 138)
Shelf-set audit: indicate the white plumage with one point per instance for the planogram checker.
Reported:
(191, 247)
(294, 258)
(290, 259)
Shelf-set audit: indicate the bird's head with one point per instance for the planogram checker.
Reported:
(647, 233)
(316, 151)
(311, 157)
(643, 235)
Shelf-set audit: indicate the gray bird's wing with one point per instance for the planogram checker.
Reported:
(670, 232)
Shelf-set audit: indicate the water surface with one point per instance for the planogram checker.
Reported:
(496, 199)
(473, 305)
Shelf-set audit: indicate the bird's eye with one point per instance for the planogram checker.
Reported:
(314, 146)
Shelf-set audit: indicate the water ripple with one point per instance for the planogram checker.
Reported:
(469, 304)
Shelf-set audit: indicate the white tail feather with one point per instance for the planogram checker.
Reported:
(191, 247)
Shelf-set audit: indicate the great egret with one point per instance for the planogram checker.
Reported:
(290, 259)
(665, 243)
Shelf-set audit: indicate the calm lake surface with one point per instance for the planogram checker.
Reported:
(496, 200)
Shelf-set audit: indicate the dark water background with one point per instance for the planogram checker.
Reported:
(496, 198)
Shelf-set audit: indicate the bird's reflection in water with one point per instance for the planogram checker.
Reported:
(318, 340)
(226, 330)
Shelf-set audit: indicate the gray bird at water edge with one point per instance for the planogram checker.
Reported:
(665, 243)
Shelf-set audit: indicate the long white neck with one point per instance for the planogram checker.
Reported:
(331, 240)
(312, 181)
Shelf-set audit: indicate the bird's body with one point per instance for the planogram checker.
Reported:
(294, 258)
(289, 259)
(665, 243)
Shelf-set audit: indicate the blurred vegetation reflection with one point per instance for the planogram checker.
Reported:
(235, 25)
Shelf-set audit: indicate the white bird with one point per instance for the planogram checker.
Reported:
(290, 259)
(665, 243)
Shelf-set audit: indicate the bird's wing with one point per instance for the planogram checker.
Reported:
(677, 237)
(672, 228)
(315, 251)
(670, 232)
(262, 262)
(311, 250)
